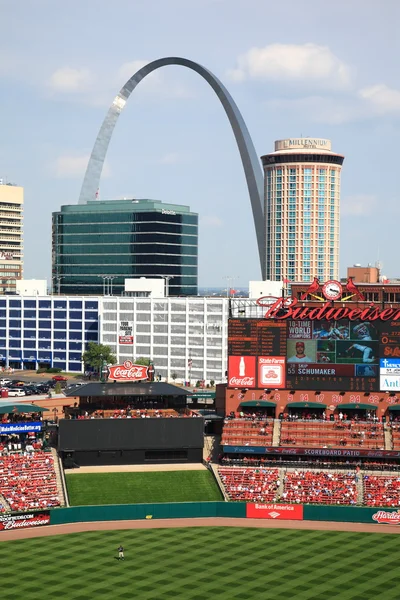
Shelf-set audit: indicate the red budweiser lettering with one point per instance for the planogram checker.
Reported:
(389, 518)
(241, 381)
(22, 521)
(128, 372)
(289, 308)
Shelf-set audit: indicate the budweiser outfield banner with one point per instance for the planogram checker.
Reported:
(290, 512)
(384, 517)
(128, 372)
(25, 520)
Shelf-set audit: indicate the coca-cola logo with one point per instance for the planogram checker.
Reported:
(23, 521)
(242, 381)
(128, 372)
(388, 518)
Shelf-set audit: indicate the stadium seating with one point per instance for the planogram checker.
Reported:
(259, 485)
(28, 481)
(395, 431)
(248, 432)
(381, 491)
(350, 434)
(318, 487)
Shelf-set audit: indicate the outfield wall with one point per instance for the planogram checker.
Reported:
(193, 510)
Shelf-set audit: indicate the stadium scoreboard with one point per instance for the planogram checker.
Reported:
(343, 355)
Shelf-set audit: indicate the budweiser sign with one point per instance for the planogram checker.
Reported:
(128, 372)
(387, 518)
(22, 521)
(290, 308)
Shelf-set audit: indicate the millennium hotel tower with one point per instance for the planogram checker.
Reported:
(301, 204)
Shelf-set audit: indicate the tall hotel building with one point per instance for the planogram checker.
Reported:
(11, 236)
(301, 205)
(96, 246)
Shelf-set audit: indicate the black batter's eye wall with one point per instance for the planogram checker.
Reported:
(131, 441)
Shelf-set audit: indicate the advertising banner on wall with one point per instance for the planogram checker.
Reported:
(20, 427)
(389, 370)
(125, 336)
(385, 517)
(25, 520)
(242, 371)
(271, 372)
(290, 512)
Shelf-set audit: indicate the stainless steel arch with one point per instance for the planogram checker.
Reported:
(250, 161)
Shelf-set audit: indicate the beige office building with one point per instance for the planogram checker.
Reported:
(11, 236)
(301, 207)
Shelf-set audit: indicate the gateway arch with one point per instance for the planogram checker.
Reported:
(251, 164)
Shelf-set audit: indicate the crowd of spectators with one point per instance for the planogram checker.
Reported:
(28, 480)
(131, 413)
(320, 487)
(353, 434)
(381, 491)
(257, 485)
(288, 461)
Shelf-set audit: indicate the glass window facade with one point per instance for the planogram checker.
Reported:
(121, 240)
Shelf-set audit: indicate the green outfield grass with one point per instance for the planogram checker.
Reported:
(202, 563)
(137, 488)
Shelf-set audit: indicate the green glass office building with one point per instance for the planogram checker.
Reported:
(113, 240)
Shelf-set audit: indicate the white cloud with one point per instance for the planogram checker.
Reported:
(70, 80)
(383, 98)
(290, 62)
(171, 158)
(74, 165)
(320, 109)
(211, 221)
(358, 205)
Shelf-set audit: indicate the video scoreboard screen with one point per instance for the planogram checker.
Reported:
(314, 354)
(339, 355)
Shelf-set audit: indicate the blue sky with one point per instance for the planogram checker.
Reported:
(294, 68)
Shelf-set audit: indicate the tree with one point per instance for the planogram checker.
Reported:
(58, 388)
(98, 355)
(142, 360)
(174, 376)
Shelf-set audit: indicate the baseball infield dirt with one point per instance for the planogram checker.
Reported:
(213, 522)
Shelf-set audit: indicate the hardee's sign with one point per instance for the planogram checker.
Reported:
(289, 308)
(387, 518)
(128, 372)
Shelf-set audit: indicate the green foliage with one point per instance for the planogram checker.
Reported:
(212, 382)
(98, 354)
(221, 563)
(49, 370)
(58, 388)
(174, 376)
(136, 488)
(142, 360)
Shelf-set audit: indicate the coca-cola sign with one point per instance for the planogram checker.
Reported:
(128, 372)
(242, 371)
(387, 518)
(23, 521)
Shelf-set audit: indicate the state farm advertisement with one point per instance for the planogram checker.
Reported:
(128, 372)
(290, 512)
(242, 371)
(23, 521)
(271, 371)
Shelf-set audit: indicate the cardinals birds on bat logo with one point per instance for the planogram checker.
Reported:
(332, 290)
